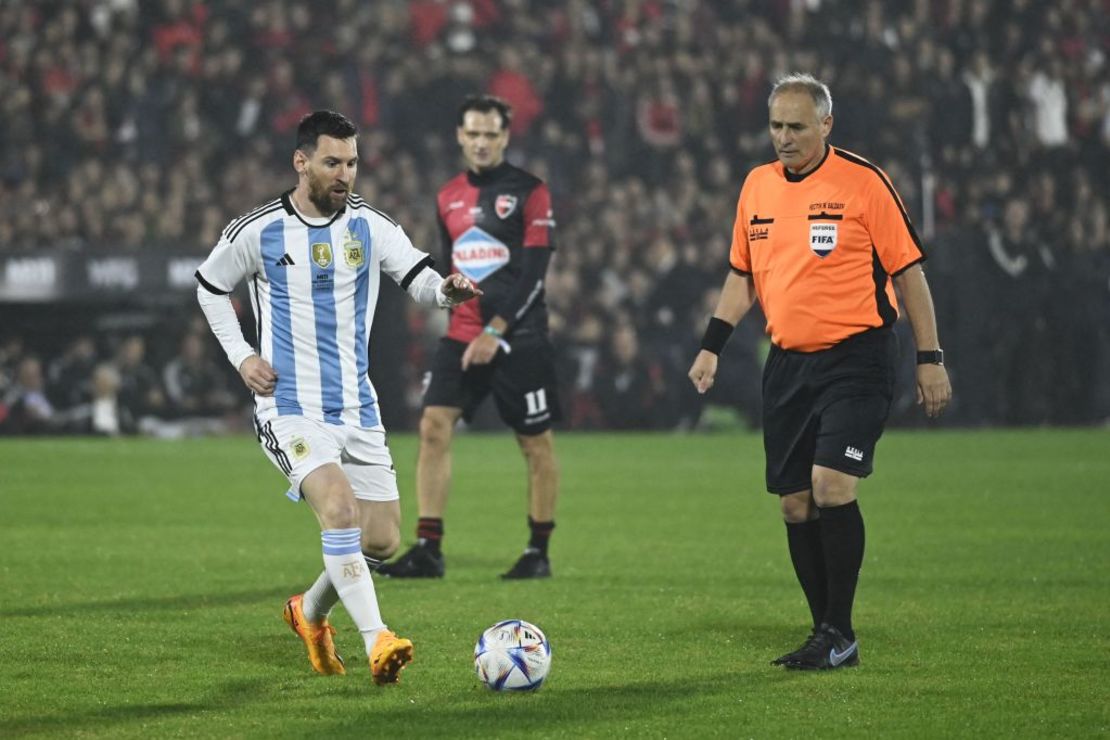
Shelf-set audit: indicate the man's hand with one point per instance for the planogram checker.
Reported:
(933, 389)
(703, 371)
(481, 350)
(258, 375)
(459, 289)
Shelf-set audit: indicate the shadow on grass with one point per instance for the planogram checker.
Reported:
(566, 710)
(228, 695)
(155, 603)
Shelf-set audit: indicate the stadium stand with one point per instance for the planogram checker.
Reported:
(139, 128)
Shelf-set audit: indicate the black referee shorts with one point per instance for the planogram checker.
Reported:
(826, 408)
(522, 382)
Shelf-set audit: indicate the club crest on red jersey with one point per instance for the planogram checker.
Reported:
(504, 206)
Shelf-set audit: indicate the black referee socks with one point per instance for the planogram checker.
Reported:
(842, 542)
(808, 557)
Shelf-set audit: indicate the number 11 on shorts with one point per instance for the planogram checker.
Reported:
(537, 401)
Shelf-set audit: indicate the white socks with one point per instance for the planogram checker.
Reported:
(349, 576)
(319, 599)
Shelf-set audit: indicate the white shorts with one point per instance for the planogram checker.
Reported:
(297, 446)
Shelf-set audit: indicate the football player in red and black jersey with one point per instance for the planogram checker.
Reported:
(497, 225)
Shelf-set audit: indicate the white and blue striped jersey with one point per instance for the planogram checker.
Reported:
(314, 287)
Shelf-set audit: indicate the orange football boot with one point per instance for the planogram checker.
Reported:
(389, 656)
(316, 636)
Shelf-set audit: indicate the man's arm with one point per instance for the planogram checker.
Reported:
(538, 243)
(933, 387)
(429, 289)
(257, 374)
(522, 296)
(413, 271)
(227, 265)
(737, 297)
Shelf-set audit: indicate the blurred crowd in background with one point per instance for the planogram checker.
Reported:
(133, 126)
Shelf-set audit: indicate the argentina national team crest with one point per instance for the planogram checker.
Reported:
(353, 253)
(321, 254)
(299, 447)
(504, 206)
(822, 238)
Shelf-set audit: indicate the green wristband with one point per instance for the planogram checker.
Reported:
(490, 329)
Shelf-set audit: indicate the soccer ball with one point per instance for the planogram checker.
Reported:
(512, 655)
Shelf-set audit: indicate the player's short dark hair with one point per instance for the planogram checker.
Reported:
(323, 123)
(486, 104)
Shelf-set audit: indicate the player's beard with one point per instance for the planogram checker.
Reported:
(321, 195)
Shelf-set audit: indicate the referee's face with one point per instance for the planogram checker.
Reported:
(796, 131)
(483, 139)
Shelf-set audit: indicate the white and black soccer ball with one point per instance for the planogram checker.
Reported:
(512, 655)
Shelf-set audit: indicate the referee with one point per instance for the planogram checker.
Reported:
(821, 239)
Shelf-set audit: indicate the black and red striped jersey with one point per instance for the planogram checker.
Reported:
(487, 220)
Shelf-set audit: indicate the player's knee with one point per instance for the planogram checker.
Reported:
(381, 545)
(543, 465)
(332, 498)
(832, 488)
(798, 507)
(338, 513)
(435, 431)
(539, 452)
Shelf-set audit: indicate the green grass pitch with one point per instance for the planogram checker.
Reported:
(143, 583)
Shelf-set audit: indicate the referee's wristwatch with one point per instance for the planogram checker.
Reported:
(931, 357)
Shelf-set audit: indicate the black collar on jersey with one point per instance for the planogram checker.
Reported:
(485, 177)
(287, 203)
(791, 177)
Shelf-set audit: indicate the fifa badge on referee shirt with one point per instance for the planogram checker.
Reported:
(352, 250)
(822, 238)
(321, 254)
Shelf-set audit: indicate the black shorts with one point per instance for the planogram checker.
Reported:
(826, 408)
(522, 381)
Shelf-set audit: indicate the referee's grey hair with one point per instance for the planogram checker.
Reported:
(801, 82)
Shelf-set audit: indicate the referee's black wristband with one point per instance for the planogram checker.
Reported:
(716, 335)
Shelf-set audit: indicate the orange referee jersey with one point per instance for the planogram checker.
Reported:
(821, 248)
